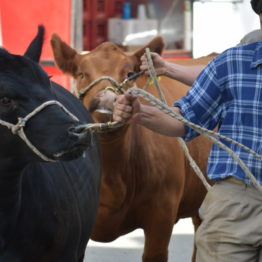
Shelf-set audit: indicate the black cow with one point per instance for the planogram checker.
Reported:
(47, 209)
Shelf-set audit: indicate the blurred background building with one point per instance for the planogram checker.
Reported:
(191, 28)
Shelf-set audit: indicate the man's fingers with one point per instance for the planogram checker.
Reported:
(144, 62)
(130, 98)
(121, 100)
(122, 112)
(126, 99)
(144, 66)
(153, 54)
(123, 108)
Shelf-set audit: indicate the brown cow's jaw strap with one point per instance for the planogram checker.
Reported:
(116, 88)
(18, 128)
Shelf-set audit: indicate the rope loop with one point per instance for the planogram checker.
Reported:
(18, 128)
(117, 87)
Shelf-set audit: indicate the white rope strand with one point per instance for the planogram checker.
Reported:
(182, 143)
(81, 92)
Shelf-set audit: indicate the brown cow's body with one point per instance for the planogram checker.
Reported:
(147, 182)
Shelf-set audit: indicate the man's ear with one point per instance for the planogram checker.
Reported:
(64, 55)
(156, 45)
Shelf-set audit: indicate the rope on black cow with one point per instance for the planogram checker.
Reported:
(211, 135)
(18, 128)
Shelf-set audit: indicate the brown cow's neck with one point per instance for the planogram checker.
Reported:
(118, 149)
(113, 191)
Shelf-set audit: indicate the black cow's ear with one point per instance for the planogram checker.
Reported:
(34, 50)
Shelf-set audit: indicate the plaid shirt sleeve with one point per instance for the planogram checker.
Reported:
(202, 104)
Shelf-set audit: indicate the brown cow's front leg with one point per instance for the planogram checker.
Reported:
(196, 222)
(157, 237)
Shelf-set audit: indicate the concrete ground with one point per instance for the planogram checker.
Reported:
(129, 248)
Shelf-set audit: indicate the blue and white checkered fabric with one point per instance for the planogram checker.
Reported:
(228, 93)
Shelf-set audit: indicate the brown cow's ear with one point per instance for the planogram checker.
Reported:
(156, 45)
(65, 56)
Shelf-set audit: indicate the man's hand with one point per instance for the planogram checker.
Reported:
(158, 62)
(125, 108)
(128, 108)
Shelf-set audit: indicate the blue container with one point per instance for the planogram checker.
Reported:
(126, 10)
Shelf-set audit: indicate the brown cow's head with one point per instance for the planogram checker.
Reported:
(105, 60)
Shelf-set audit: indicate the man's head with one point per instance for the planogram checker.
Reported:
(257, 6)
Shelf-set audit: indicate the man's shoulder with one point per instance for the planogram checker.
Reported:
(240, 52)
(253, 36)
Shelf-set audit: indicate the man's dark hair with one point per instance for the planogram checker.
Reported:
(257, 6)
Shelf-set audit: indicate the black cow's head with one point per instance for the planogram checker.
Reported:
(24, 86)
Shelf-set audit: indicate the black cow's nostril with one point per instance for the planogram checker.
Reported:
(76, 129)
(79, 131)
(80, 136)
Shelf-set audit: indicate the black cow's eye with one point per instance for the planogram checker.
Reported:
(5, 101)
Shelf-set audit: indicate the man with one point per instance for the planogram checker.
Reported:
(227, 94)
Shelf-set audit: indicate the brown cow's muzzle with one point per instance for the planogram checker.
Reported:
(103, 102)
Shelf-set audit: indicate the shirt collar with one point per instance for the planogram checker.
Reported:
(257, 58)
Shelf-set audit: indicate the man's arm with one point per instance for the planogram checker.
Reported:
(128, 108)
(184, 74)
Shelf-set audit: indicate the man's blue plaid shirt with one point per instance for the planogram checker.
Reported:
(228, 94)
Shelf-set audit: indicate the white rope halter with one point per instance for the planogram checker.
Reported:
(18, 128)
(81, 92)
(117, 89)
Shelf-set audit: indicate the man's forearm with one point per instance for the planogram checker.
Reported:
(157, 121)
(184, 74)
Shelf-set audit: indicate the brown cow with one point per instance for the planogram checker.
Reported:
(147, 181)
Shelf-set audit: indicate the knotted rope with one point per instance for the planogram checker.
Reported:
(18, 128)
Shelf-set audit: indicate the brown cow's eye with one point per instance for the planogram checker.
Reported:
(5, 101)
(81, 75)
(130, 74)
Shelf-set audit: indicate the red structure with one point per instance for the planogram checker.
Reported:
(19, 21)
(96, 13)
(95, 17)
(20, 18)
